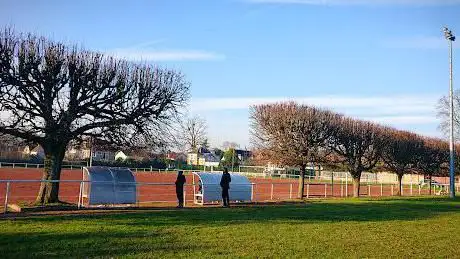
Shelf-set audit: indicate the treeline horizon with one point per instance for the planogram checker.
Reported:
(292, 134)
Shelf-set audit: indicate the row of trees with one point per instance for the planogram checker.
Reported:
(291, 134)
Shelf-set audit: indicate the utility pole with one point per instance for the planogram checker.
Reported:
(91, 152)
(233, 158)
(451, 38)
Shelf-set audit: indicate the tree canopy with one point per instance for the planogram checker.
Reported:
(53, 94)
(291, 134)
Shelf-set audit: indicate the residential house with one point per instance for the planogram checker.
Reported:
(137, 154)
(202, 157)
(11, 151)
(243, 154)
(103, 155)
(176, 156)
(74, 153)
(120, 155)
(36, 151)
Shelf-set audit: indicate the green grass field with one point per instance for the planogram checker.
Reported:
(402, 228)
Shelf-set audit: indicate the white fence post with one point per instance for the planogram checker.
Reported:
(325, 190)
(419, 190)
(252, 191)
(346, 184)
(308, 190)
(6, 196)
(271, 195)
(341, 189)
(369, 190)
(381, 189)
(392, 190)
(13, 165)
(80, 195)
(290, 191)
(137, 195)
(38, 165)
(332, 182)
(185, 198)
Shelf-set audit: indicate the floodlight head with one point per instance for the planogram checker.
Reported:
(448, 34)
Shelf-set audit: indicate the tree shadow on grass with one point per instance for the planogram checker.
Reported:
(155, 233)
(91, 244)
(311, 211)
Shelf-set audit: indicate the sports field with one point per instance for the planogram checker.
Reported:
(397, 228)
(164, 191)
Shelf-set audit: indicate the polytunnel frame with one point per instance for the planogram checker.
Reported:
(115, 186)
(200, 197)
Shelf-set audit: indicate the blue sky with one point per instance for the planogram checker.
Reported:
(380, 60)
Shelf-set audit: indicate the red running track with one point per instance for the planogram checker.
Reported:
(264, 189)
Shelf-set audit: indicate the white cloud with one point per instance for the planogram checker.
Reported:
(147, 51)
(165, 55)
(389, 109)
(402, 120)
(228, 117)
(361, 2)
(388, 103)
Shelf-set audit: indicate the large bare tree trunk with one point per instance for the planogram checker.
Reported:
(301, 182)
(49, 192)
(356, 184)
(399, 190)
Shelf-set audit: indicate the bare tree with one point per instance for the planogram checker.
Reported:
(53, 94)
(359, 144)
(434, 159)
(193, 133)
(401, 152)
(228, 144)
(443, 113)
(290, 134)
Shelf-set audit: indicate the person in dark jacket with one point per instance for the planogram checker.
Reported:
(225, 184)
(180, 181)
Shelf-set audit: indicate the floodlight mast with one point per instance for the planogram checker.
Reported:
(451, 38)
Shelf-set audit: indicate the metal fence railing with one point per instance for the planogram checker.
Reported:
(71, 191)
(322, 177)
(80, 166)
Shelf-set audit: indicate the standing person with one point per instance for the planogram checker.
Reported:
(180, 181)
(225, 184)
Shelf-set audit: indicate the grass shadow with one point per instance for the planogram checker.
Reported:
(310, 211)
(156, 232)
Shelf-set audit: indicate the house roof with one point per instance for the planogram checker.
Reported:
(37, 148)
(203, 150)
(209, 157)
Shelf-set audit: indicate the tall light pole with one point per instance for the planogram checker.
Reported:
(450, 38)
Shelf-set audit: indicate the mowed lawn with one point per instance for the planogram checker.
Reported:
(401, 228)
